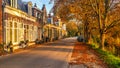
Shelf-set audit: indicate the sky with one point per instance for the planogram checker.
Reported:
(40, 4)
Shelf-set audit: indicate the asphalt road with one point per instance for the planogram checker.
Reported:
(48, 55)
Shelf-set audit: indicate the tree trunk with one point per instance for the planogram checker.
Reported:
(86, 29)
(102, 40)
(89, 39)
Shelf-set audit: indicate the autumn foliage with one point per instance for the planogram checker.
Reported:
(100, 20)
(72, 29)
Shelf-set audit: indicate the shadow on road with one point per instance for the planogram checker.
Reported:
(53, 49)
(60, 46)
(28, 61)
(48, 55)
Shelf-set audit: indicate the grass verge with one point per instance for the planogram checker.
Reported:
(112, 60)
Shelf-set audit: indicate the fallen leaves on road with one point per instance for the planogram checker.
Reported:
(83, 54)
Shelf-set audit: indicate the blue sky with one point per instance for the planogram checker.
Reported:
(40, 4)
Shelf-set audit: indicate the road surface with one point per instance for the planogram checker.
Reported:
(48, 55)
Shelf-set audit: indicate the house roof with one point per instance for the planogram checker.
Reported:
(21, 5)
(6, 2)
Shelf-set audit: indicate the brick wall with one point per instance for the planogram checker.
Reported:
(1, 40)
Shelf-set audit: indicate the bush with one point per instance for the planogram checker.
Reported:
(26, 42)
(21, 42)
(94, 46)
(96, 39)
(1, 49)
(9, 45)
(117, 50)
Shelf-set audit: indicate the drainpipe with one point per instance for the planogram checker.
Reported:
(2, 4)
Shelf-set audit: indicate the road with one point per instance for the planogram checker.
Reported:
(48, 55)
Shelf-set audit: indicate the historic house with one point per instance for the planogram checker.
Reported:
(21, 21)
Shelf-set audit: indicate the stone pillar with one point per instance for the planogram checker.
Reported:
(1, 29)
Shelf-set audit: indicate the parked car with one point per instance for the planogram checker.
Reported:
(80, 39)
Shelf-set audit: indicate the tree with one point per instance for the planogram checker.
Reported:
(99, 15)
(104, 10)
(72, 29)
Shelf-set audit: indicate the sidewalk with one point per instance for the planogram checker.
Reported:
(84, 57)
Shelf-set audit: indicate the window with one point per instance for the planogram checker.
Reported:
(15, 25)
(15, 35)
(36, 14)
(15, 32)
(14, 3)
(11, 25)
(12, 32)
(11, 2)
(29, 10)
(21, 25)
(21, 32)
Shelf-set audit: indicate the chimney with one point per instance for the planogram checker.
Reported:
(35, 5)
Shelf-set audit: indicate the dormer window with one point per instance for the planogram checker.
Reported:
(30, 8)
(13, 3)
(36, 14)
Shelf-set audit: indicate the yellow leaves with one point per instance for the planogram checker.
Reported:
(72, 28)
(74, 8)
(72, 25)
